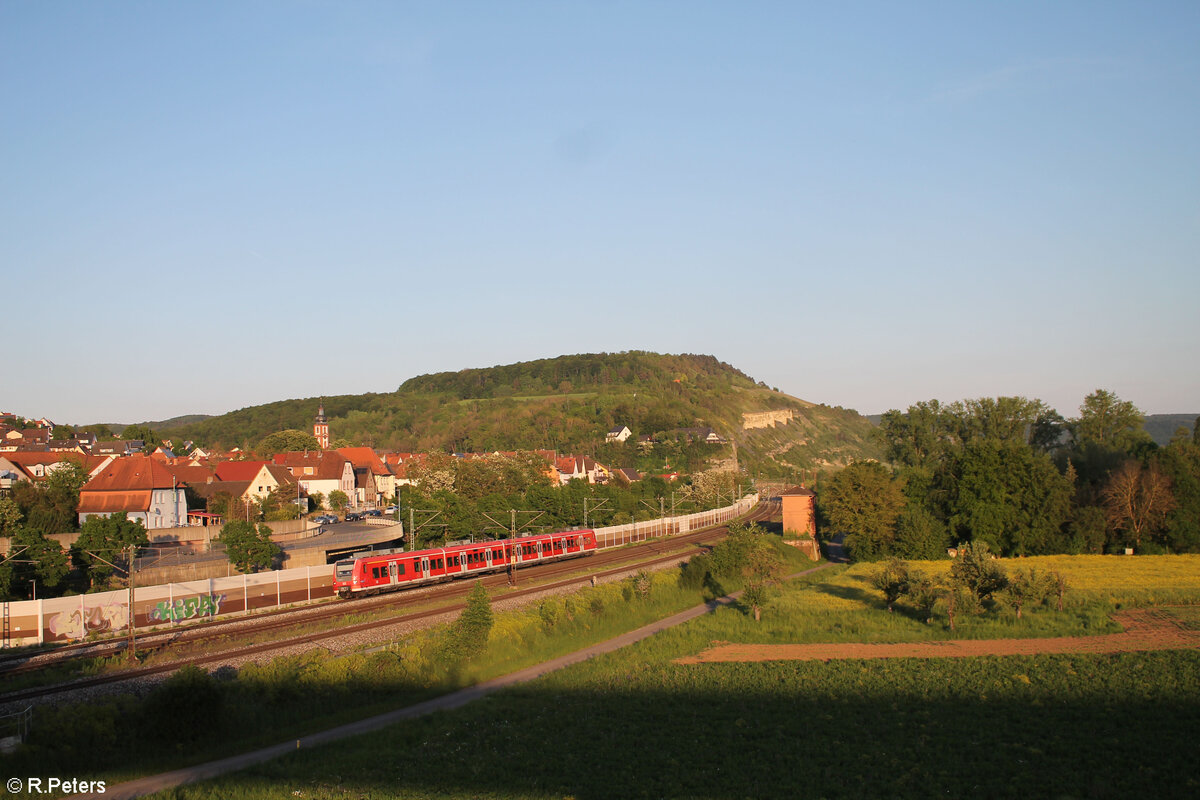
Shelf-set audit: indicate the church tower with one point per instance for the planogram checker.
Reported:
(321, 428)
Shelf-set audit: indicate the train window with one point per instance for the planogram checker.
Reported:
(374, 572)
(400, 568)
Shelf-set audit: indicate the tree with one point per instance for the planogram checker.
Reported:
(975, 570)
(1026, 587)
(1010, 497)
(286, 441)
(924, 591)
(1137, 501)
(33, 557)
(10, 515)
(1108, 421)
(467, 637)
(338, 500)
(763, 572)
(103, 546)
(892, 579)
(919, 437)
(149, 439)
(863, 501)
(249, 547)
(920, 535)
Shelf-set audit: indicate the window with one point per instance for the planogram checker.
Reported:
(374, 572)
(400, 568)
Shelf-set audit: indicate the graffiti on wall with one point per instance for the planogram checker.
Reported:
(205, 605)
(79, 622)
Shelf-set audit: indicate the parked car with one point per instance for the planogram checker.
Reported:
(353, 516)
(390, 510)
(372, 512)
(325, 519)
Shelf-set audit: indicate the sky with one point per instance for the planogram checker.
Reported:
(211, 205)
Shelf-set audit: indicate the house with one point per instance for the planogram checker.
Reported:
(372, 479)
(141, 487)
(581, 468)
(629, 474)
(618, 434)
(321, 471)
(645, 443)
(36, 467)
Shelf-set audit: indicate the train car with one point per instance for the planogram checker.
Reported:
(380, 572)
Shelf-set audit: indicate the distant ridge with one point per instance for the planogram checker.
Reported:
(568, 404)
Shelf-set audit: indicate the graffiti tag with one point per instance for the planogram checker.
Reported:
(187, 608)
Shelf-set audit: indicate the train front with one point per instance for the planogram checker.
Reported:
(343, 577)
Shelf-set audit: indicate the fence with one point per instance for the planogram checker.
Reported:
(14, 728)
(62, 619)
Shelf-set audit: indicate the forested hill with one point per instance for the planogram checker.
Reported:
(568, 404)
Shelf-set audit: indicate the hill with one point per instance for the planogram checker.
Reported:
(568, 404)
(1162, 427)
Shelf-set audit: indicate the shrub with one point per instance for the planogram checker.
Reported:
(185, 706)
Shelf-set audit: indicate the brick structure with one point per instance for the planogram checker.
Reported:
(800, 518)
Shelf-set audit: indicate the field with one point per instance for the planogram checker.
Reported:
(636, 724)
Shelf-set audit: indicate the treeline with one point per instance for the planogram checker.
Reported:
(581, 373)
(1014, 474)
(476, 498)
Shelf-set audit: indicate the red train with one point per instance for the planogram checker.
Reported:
(381, 572)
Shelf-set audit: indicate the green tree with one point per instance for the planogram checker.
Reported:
(924, 591)
(1026, 587)
(892, 579)
(920, 535)
(1010, 497)
(977, 572)
(148, 437)
(32, 557)
(103, 546)
(763, 572)
(1106, 420)
(249, 547)
(864, 501)
(467, 637)
(338, 500)
(287, 441)
(10, 515)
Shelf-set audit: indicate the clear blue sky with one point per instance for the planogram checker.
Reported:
(210, 205)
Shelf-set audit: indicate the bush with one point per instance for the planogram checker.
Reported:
(548, 611)
(184, 707)
(693, 574)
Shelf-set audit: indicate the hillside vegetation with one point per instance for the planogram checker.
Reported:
(568, 404)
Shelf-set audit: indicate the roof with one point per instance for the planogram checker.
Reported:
(131, 473)
(113, 502)
(326, 464)
(798, 491)
(192, 475)
(364, 457)
(239, 470)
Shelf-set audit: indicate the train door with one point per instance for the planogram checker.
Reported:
(393, 573)
(487, 557)
(425, 567)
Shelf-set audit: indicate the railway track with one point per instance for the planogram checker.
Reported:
(656, 551)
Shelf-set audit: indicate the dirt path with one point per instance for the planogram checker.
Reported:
(1145, 629)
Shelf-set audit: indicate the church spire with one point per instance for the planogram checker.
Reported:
(321, 427)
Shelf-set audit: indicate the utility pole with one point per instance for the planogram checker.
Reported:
(132, 627)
